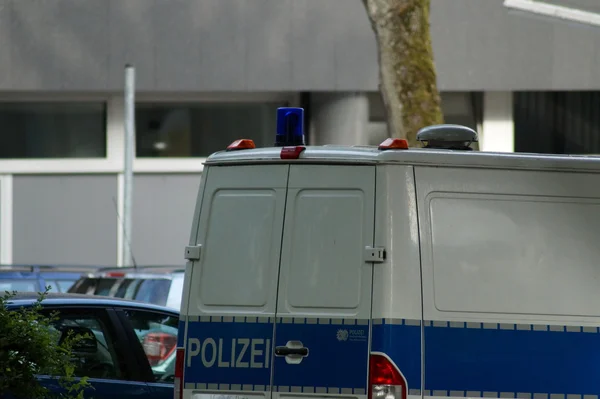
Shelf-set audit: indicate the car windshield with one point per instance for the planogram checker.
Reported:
(95, 286)
(18, 285)
(154, 291)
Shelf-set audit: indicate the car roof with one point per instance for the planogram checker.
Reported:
(26, 299)
(38, 268)
(145, 272)
(143, 269)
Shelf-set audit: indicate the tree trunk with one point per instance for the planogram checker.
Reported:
(406, 70)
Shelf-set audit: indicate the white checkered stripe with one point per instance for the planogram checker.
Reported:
(267, 388)
(491, 326)
(486, 394)
(282, 320)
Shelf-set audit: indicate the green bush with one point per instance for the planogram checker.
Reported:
(29, 347)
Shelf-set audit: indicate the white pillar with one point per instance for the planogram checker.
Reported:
(6, 219)
(498, 125)
(115, 144)
(339, 118)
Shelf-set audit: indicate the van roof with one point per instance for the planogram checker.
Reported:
(414, 156)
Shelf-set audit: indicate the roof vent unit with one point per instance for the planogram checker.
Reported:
(447, 137)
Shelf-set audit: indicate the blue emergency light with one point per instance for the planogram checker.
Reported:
(290, 127)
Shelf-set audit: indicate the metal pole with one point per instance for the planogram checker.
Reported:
(128, 166)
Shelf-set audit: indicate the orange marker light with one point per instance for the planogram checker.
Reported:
(394, 144)
(242, 144)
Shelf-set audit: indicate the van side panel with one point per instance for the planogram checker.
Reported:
(510, 281)
(397, 282)
(233, 288)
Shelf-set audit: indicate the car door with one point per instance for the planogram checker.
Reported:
(108, 366)
(324, 295)
(156, 331)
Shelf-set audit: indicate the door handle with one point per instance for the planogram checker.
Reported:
(286, 351)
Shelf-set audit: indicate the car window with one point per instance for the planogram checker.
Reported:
(105, 285)
(64, 285)
(154, 291)
(54, 287)
(94, 357)
(122, 290)
(157, 333)
(18, 285)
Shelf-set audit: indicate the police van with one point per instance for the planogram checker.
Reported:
(391, 272)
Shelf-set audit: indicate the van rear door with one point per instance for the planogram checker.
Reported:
(324, 298)
(233, 286)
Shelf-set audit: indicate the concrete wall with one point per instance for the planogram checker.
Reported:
(264, 45)
(72, 219)
(163, 208)
(65, 219)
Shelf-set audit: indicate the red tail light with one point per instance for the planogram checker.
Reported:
(385, 380)
(178, 388)
(159, 346)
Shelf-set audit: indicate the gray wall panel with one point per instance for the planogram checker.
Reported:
(239, 45)
(83, 43)
(176, 43)
(222, 45)
(5, 44)
(36, 51)
(269, 48)
(65, 219)
(320, 73)
(130, 30)
(163, 207)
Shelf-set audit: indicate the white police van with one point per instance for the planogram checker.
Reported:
(355, 272)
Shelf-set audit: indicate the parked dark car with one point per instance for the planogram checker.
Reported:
(159, 285)
(135, 347)
(35, 278)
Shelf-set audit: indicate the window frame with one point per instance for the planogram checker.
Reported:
(144, 364)
(113, 163)
(115, 331)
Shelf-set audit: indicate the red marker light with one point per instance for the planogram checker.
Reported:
(115, 274)
(291, 152)
(242, 144)
(394, 144)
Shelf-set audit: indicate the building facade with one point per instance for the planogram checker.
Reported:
(211, 71)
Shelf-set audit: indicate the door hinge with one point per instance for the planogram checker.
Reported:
(375, 254)
(193, 252)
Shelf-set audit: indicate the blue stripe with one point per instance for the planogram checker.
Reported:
(512, 360)
(338, 356)
(495, 360)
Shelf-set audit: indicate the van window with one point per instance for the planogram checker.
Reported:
(516, 254)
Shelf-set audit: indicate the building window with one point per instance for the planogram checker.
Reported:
(198, 130)
(52, 130)
(557, 122)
